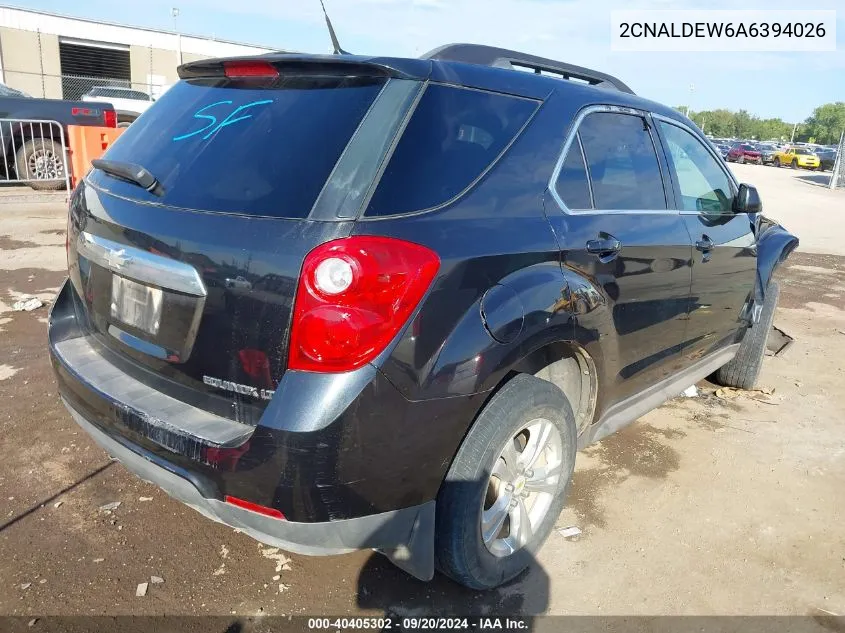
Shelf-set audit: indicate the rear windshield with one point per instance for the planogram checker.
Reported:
(232, 147)
(452, 137)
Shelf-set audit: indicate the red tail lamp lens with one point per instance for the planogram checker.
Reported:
(110, 118)
(254, 507)
(354, 296)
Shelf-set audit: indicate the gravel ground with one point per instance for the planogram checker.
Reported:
(705, 506)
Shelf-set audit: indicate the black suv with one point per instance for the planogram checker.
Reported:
(449, 275)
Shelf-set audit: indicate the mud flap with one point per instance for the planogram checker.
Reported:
(416, 557)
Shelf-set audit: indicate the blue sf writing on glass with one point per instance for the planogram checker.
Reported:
(213, 125)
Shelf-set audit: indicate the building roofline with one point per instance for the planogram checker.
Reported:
(138, 28)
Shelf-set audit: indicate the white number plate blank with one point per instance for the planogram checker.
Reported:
(136, 304)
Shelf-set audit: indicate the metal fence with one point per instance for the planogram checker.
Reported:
(75, 87)
(35, 152)
(837, 177)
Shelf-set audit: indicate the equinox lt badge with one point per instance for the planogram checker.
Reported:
(246, 390)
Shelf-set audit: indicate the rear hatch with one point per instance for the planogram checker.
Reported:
(189, 285)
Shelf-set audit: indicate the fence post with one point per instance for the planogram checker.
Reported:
(41, 63)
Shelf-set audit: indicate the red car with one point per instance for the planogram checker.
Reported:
(744, 153)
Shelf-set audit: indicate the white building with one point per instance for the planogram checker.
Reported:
(57, 56)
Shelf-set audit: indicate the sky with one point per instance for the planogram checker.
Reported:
(788, 85)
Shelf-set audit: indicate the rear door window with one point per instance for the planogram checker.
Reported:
(454, 135)
(622, 162)
(230, 146)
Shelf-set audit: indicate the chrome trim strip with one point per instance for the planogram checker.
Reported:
(570, 137)
(140, 265)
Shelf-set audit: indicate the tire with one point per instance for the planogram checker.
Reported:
(41, 158)
(776, 162)
(478, 472)
(741, 160)
(744, 369)
(794, 164)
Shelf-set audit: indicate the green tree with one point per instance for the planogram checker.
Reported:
(826, 123)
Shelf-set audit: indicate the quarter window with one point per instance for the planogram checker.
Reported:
(703, 185)
(573, 186)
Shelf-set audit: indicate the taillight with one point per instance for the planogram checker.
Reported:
(250, 68)
(353, 297)
(110, 118)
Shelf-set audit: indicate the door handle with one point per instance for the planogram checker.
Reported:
(606, 247)
(705, 244)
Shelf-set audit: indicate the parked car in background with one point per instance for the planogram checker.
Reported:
(827, 159)
(767, 152)
(723, 149)
(391, 384)
(127, 102)
(744, 153)
(796, 157)
(32, 152)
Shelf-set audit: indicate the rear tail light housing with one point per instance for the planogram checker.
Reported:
(353, 297)
(110, 118)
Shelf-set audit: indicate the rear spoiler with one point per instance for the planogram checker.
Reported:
(330, 65)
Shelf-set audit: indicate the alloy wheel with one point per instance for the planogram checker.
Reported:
(522, 486)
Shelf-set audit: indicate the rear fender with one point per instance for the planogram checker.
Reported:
(471, 360)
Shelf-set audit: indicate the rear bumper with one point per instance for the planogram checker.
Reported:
(387, 530)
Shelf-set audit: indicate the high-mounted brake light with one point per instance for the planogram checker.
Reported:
(354, 296)
(251, 68)
(110, 118)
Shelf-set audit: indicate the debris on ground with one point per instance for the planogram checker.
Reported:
(277, 577)
(141, 590)
(690, 392)
(730, 393)
(32, 622)
(108, 507)
(145, 498)
(778, 342)
(42, 581)
(283, 587)
(570, 532)
(26, 585)
(220, 570)
(282, 561)
(27, 304)
(58, 504)
(99, 560)
(156, 580)
(224, 551)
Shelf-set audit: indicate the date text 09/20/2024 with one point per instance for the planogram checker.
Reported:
(418, 623)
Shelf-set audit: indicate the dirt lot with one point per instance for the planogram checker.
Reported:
(705, 506)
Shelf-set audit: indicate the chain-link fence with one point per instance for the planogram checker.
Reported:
(837, 176)
(77, 87)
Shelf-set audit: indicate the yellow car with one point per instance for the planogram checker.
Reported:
(796, 157)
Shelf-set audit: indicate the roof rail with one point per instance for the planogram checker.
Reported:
(503, 58)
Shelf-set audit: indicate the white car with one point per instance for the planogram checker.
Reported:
(128, 103)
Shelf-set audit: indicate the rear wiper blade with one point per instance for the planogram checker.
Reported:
(131, 173)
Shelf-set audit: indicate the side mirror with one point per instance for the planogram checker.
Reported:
(747, 200)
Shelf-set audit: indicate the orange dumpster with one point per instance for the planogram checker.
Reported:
(87, 143)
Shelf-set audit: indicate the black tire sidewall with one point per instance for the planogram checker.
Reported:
(523, 399)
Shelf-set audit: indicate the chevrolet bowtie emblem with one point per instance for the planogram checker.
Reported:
(118, 259)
